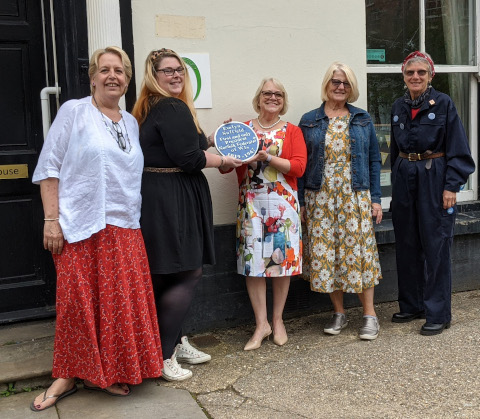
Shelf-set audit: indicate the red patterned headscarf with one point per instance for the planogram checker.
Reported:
(421, 55)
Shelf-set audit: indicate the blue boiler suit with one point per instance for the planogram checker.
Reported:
(423, 229)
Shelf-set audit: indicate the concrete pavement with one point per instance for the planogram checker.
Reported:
(400, 375)
(150, 400)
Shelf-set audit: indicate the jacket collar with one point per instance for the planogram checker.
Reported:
(432, 100)
(353, 110)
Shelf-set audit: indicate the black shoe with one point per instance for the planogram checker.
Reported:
(430, 329)
(407, 317)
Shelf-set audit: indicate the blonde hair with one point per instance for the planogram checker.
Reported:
(349, 74)
(278, 85)
(95, 58)
(151, 92)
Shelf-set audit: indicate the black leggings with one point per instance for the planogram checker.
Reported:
(173, 297)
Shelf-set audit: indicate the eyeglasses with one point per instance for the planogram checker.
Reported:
(122, 143)
(268, 94)
(421, 73)
(171, 71)
(337, 83)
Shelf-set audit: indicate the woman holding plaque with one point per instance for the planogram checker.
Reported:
(269, 239)
(431, 160)
(177, 220)
(339, 193)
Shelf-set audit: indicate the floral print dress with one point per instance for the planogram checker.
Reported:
(340, 251)
(268, 224)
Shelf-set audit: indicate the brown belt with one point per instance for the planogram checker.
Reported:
(162, 169)
(420, 156)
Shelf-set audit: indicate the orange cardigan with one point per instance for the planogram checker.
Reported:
(294, 150)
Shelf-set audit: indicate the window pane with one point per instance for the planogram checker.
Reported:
(384, 89)
(457, 86)
(392, 27)
(449, 31)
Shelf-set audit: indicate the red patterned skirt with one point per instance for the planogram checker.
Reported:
(107, 330)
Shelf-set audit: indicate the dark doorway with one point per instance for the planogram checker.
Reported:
(28, 45)
(27, 276)
(25, 286)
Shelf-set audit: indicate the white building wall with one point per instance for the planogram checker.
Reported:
(292, 41)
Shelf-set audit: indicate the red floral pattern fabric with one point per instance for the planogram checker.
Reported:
(107, 330)
(269, 235)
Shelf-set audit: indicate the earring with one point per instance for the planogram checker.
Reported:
(93, 84)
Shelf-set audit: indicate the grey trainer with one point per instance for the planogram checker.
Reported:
(336, 324)
(370, 328)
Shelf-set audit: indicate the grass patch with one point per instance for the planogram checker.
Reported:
(9, 390)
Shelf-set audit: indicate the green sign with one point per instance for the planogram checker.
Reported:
(376, 55)
(196, 71)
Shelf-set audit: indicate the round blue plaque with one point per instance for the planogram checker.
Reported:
(236, 139)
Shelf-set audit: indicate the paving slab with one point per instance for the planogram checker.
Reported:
(149, 400)
(26, 360)
(26, 332)
(401, 374)
(26, 352)
(18, 407)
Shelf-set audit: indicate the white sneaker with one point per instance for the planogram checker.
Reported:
(173, 371)
(187, 353)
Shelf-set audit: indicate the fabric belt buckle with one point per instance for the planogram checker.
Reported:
(414, 156)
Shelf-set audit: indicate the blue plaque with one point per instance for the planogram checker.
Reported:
(236, 139)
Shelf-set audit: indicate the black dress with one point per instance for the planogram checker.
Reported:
(177, 216)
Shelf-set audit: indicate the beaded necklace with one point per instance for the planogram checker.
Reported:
(270, 126)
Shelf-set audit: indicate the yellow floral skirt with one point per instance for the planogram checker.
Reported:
(340, 250)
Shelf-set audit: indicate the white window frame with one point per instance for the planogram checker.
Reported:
(474, 71)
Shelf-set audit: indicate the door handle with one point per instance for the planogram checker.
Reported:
(45, 102)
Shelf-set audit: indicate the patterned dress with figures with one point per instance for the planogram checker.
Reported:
(340, 251)
(268, 225)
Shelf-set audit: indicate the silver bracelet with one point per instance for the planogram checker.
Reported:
(51, 219)
(222, 163)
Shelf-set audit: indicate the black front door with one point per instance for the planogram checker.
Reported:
(27, 280)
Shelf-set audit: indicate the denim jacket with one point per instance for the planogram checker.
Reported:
(366, 161)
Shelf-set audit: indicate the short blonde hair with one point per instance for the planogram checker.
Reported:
(279, 86)
(349, 74)
(94, 59)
